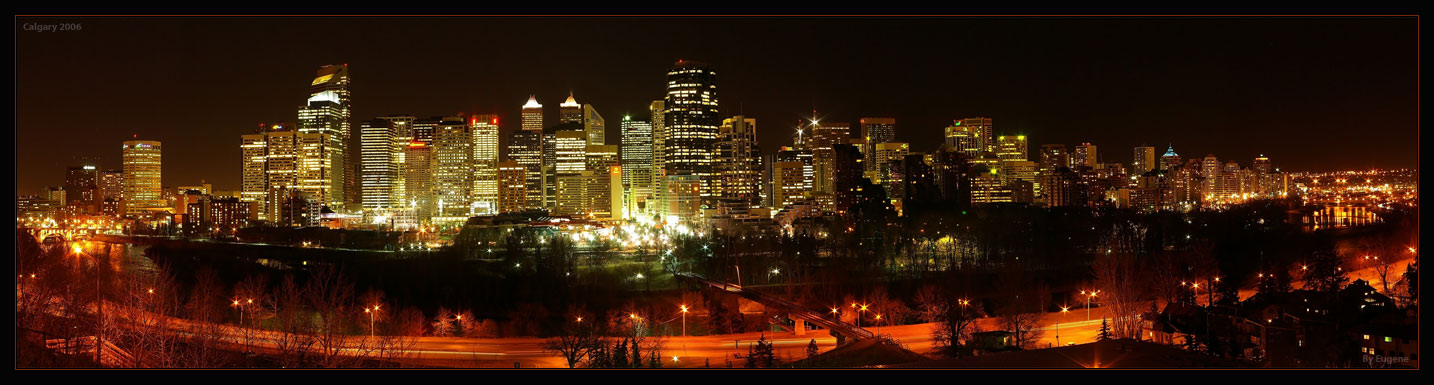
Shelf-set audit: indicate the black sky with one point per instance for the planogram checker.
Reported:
(1312, 93)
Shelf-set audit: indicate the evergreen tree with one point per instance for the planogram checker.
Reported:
(1325, 272)
(1104, 333)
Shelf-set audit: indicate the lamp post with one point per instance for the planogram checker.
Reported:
(684, 321)
(371, 312)
(1064, 310)
(1089, 294)
(99, 299)
(859, 314)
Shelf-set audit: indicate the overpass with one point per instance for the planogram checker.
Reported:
(801, 315)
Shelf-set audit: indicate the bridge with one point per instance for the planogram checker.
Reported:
(62, 235)
(797, 313)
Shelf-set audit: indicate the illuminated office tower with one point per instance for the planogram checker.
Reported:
(380, 154)
(1053, 158)
(739, 165)
(1083, 155)
(570, 152)
(987, 186)
(111, 191)
(888, 157)
(591, 194)
(690, 127)
(964, 139)
(485, 163)
(1170, 160)
(795, 188)
(789, 184)
(1230, 180)
(569, 111)
(327, 112)
(594, 125)
(532, 114)
(1263, 174)
(453, 170)
(282, 165)
(1011, 148)
(983, 129)
(637, 163)
(658, 110)
(601, 157)
(1013, 171)
(512, 187)
(82, 188)
(403, 131)
(525, 146)
(822, 140)
(142, 189)
(418, 175)
(1210, 170)
(878, 130)
(1144, 160)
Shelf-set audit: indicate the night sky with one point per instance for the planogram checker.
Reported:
(1311, 93)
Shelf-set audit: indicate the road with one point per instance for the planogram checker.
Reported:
(1075, 327)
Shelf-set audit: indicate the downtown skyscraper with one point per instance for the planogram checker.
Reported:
(637, 164)
(690, 128)
(327, 112)
(143, 190)
(525, 147)
(485, 163)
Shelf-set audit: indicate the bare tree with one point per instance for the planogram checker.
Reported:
(295, 337)
(331, 298)
(1120, 291)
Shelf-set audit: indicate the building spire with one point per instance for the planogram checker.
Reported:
(532, 102)
(570, 102)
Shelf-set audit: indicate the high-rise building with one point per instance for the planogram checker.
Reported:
(739, 166)
(637, 164)
(1170, 160)
(690, 127)
(569, 111)
(1053, 158)
(1210, 170)
(453, 169)
(878, 130)
(1084, 155)
(512, 187)
(591, 194)
(822, 140)
(594, 125)
(82, 188)
(142, 188)
(965, 139)
(526, 147)
(485, 163)
(888, 157)
(327, 112)
(570, 152)
(282, 164)
(983, 129)
(380, 160)
(789, 183)
(1144, 160)
(847, 170)
(1012, 147)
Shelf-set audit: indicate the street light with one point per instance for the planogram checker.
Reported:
(684, 323)
(371, 312)
(1089, 294)
(1064, 310)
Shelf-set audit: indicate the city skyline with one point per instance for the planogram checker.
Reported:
(197, 149)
